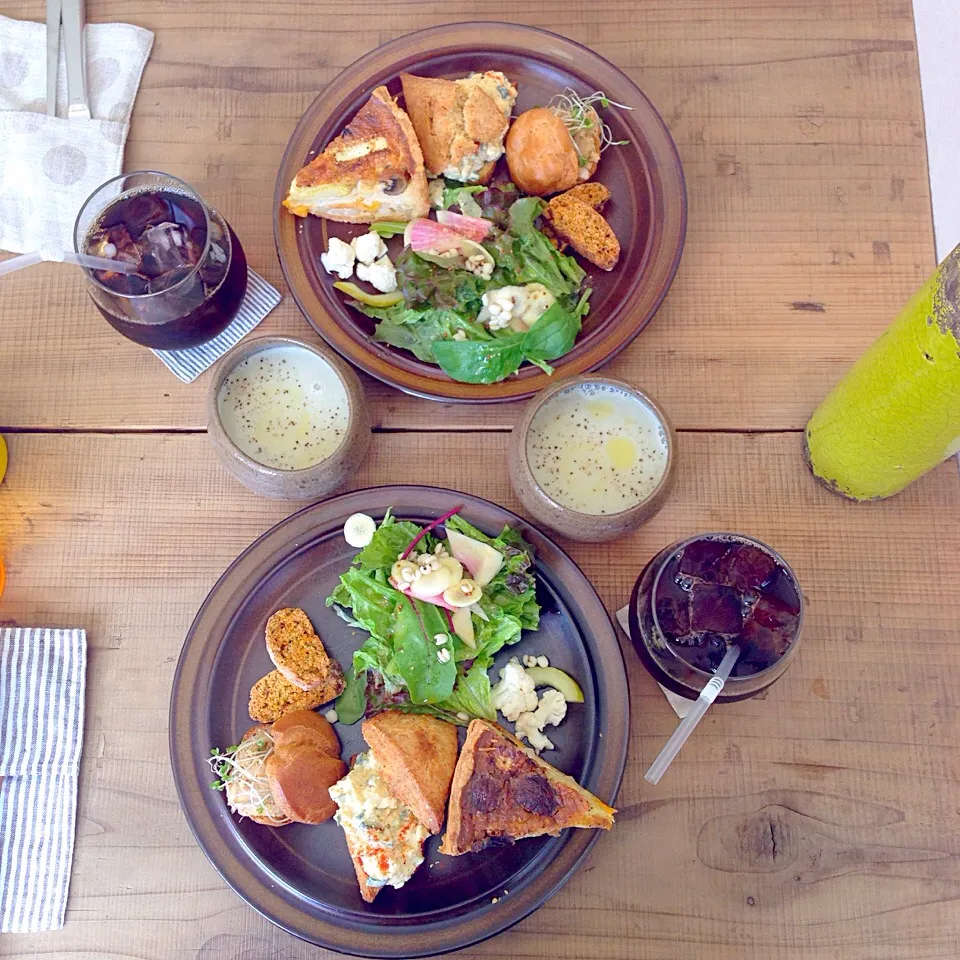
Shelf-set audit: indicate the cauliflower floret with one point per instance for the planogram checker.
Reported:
(381, 274)
(550, 712)
(527, 729)
(515, 694)
(368, 247)
(338, 259)
(552, 709)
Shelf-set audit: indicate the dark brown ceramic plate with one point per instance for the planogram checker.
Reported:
(648, 211)
(301, 877)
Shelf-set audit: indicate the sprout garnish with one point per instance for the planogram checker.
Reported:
(239, 762)
(578, 114)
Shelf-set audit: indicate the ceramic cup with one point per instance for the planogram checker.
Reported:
(309, 483)
(572, 523)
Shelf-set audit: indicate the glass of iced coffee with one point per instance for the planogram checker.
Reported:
(191, 270)
(698, 597)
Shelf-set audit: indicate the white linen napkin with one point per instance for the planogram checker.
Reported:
(50, 165)
(42, 679)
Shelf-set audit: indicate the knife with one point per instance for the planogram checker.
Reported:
(53, 54)
(78, 107)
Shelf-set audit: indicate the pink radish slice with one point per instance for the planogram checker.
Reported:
(474, 228)
(426, 234)
(437, 601)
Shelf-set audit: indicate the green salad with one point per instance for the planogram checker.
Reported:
(455, 313)
(429, 652)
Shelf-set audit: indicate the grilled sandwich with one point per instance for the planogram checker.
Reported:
(372, 171)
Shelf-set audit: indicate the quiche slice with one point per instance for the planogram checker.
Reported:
(504, 792)
(372, 171)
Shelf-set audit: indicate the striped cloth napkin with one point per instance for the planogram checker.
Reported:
(42, 678)
(261, 297)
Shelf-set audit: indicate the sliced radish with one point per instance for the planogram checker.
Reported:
(437, 601)
(475, 228)
(423, 234)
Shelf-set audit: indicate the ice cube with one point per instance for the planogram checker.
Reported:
(716, 608)
(767, 633)
(701, 558)
(128, 284)
(144, 210)
(705, 652)
(674, 616)
(114, 243)
(170, 247)
(746, 567)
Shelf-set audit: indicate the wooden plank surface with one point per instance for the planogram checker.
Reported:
(820, 821)
(799, 125)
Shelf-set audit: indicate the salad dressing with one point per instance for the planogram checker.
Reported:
(284, 407)
(596, 449)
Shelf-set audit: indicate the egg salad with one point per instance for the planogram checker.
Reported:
(382, 833)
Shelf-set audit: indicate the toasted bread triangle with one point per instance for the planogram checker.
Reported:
(504, 792)
(417, 756)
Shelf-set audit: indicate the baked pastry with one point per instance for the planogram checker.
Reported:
(408, 768)
(504, 792)
(579, 225)
(247, 786)
(304, 764)
(540, 154)
(273, 696)
(417, 757)
(296, 650)
(460, 123)
(372, 171)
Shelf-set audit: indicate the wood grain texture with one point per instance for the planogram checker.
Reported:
(801, 133)
(820, 821)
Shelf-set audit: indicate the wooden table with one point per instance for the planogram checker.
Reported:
(822, 821)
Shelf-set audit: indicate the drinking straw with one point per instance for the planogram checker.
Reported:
(679, 737)
(99, 263)
(79, 259)
(18, 263)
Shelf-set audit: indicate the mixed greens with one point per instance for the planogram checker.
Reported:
(436, 315)
(421, 657)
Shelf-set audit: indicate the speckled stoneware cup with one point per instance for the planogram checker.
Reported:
(312, 482)
(587, 527)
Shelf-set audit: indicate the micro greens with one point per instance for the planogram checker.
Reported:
(244, 763)
(579, 114)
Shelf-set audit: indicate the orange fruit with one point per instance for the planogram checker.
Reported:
(3, 458)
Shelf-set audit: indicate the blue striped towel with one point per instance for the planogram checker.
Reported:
(260, 299)
(42, 678)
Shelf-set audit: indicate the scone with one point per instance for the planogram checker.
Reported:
(460, 123)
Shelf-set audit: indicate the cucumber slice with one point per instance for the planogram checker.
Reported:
(552, 677)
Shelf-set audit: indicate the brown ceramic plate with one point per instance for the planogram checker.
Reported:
(301, 877)
(648, 211)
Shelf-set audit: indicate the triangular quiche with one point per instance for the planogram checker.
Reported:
(372, 171)
(504, 792)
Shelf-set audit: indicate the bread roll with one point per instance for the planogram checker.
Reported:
(305, 728)
(300, 780)
(304, 764)
(540, 154)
